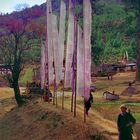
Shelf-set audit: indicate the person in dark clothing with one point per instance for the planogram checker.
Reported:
(125, 122)
(47, 95)
(88, 103)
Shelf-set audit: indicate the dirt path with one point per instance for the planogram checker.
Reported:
(105, 126)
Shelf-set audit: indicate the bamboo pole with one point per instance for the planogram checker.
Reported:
(56, 94)
(84, 111)
(63, 99)
(84, 89)
(72, 102)
(46, 59)
(63, 92)
(70, 2)
(75, 56)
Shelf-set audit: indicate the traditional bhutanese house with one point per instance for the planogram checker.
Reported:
(4, 69)
(131, 67)
(110, 96)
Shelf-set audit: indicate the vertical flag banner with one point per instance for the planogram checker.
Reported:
(87, 10)
(56, 50)
(80, 63)
(42, 70)
(49, 45)
(62, 33)
(70, 48)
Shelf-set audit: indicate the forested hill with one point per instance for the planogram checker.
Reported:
(55, 6)
(114, 27)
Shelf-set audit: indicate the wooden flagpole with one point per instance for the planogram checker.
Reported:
(55, 86)
(75, 56)
(84, 81)
(72, 74)
(87, 45)
(64, 65)
(63, 89)
(46, 58)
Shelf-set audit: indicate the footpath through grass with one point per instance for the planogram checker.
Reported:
(27, 77)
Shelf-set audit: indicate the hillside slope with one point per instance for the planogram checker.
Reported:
(40, 121)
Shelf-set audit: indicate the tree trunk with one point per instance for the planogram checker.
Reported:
(17, 94)
(138, 63)
(138, 54)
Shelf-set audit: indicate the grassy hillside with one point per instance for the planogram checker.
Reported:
(27, 76)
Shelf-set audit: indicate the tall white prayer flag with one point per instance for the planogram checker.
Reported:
(80, 62)
(56, 50)
(87, 45)
(62, 33)
(70, 48)
(49, 45)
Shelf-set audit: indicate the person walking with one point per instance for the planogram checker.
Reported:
(125, 122)
(88, 103)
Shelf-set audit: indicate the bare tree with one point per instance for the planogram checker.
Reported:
(16, 36)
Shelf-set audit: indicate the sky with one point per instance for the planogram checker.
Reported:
(7, 6)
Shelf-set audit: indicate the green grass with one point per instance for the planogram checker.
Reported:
(27, 77)
(137, 116)
(117, 103)
(110, 110)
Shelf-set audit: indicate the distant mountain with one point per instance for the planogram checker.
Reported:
(55, 6)
(28, 12)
